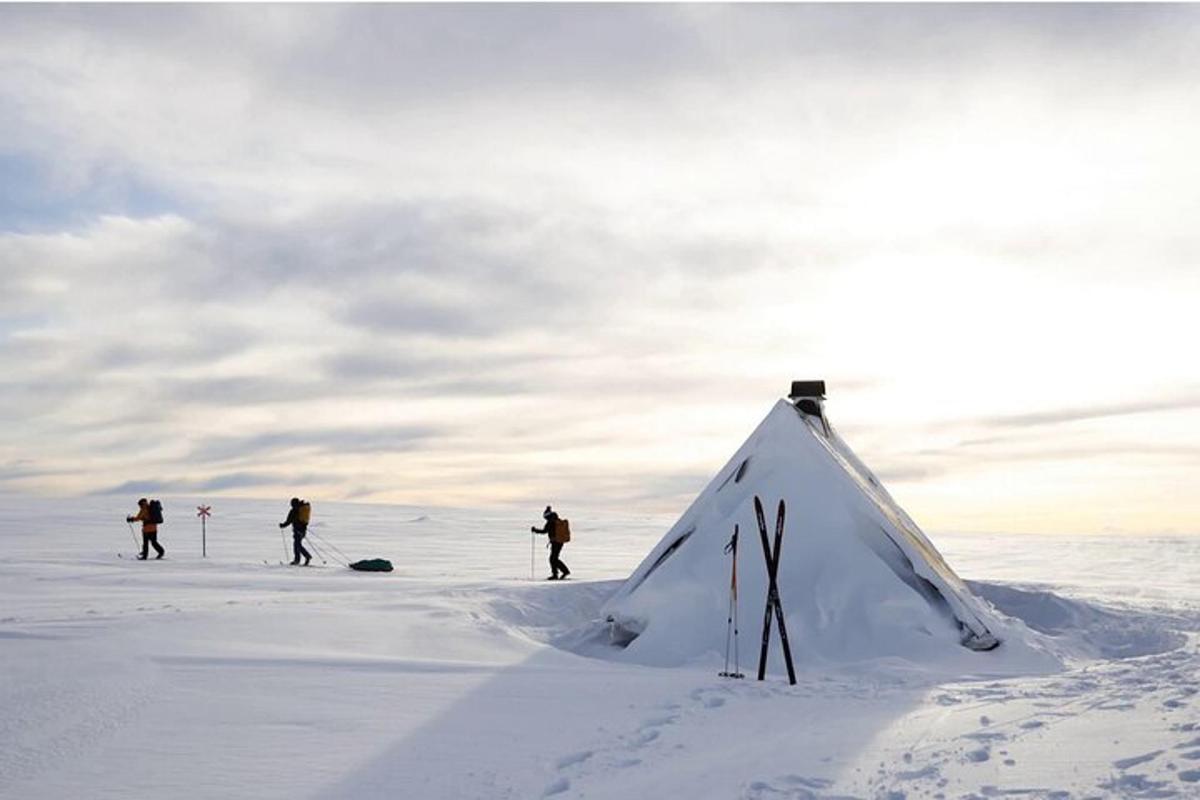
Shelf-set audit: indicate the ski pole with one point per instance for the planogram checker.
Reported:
(737, 661)
(132, 535)
(532, 549)
(283, 539)
(731, 625)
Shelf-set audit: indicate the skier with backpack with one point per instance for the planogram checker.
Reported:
(150, 515)
(298, 517)
(559, 531)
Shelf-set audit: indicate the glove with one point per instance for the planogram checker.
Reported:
(129, 519)
(533, 529)
(282, 525)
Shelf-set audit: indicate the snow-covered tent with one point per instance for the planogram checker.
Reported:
(858, 578)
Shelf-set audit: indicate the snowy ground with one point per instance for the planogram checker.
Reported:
(452, 677)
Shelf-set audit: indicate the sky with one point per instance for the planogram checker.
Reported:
(502, 255)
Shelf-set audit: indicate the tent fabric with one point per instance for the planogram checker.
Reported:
(854, 565)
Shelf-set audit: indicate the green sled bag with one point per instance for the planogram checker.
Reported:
(372, 565)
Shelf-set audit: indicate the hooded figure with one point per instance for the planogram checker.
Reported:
(149, 530)
(558, 569)
(298, 518)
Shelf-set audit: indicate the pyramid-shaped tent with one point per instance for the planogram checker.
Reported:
(858, 578)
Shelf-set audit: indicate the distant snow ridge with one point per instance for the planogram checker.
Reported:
(858, 578)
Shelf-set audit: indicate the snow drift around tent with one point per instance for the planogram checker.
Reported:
(858, 578)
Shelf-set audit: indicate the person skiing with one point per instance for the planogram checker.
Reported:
(149, 519)
(552, 528)
(298, 518)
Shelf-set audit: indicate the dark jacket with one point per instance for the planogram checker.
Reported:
(551, 521)
(297, 525)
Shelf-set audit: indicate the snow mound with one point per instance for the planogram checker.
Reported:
(1084, 630)
(1051, 628)
(563, 615)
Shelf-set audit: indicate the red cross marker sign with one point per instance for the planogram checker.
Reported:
(203, 511)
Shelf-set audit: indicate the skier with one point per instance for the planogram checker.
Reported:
(298, 518)
(557, 529)
(149, 515)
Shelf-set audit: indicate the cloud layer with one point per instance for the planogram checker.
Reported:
(496, 254)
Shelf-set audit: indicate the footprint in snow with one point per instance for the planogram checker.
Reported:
(557, 787)
(1137, 785)
(791, 787)
(1133, 761)
(979, 756)
(807, 783)
(645, 737)
(929, 771)
(658, 722)
(574, 758)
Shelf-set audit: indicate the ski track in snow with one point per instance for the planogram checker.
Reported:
(231, 678)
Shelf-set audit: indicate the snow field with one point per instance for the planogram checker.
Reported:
(457, 677)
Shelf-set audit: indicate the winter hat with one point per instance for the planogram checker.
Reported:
(547, 512)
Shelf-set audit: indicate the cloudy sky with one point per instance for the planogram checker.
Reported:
(493, 255)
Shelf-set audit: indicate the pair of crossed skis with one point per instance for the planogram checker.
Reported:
(774, 606)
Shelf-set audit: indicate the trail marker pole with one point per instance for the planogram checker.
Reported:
(203, 512)
(532, 540)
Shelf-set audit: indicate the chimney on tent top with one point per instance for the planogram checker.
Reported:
(806, 389)
(809, 398)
